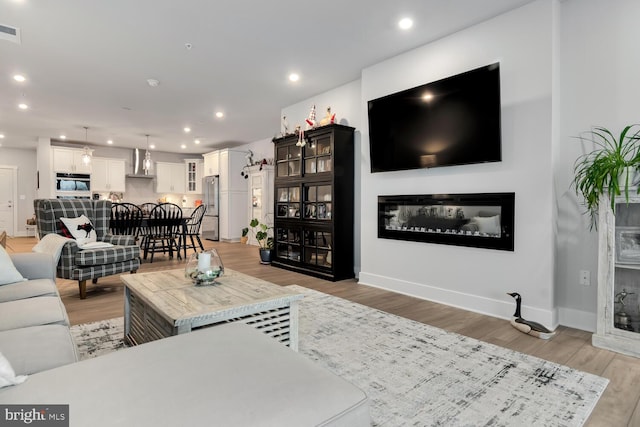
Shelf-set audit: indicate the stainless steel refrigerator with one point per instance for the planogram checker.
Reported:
(211, 220)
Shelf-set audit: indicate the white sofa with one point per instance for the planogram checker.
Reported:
(229, 375)
(34, 327)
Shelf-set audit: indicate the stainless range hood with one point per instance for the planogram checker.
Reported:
(137, 169)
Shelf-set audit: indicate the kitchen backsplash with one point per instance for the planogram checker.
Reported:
(143, 190)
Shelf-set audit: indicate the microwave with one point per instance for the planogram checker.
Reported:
(73, 186)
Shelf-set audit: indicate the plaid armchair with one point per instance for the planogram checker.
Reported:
(83, 264)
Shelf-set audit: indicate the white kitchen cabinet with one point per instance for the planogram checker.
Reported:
(170, 178)
(107, 174)
(69, 160)
(193, 177)
(211, 164)
(233, 194)
(618, 314)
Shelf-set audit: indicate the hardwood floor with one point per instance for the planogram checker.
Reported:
(617, 407)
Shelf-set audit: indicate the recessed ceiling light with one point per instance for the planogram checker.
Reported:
(19, 78)
(1, 135)
(152, 146)
(183, 146)
(294, 77)
(405, 23)
(63, 136)
(187, 129)
(23, 106)
(219, 114)
(197, 141)
(427, 96)
(110, 141)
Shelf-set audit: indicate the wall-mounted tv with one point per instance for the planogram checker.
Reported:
(453, 121)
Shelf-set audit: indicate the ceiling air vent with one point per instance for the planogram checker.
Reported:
(10, 33)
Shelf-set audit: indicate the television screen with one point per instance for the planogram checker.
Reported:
(453, 121)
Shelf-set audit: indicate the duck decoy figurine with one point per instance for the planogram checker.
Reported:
(527, 326)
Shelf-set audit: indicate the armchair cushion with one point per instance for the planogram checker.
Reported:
(102, 256)
(81, 229)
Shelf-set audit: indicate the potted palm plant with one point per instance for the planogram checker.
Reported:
(265, 241)
(610, 169)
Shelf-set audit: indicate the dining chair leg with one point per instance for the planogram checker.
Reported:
(200, 242)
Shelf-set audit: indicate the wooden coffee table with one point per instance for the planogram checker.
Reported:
(165, 303)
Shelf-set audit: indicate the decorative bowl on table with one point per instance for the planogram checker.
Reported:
(203, 268)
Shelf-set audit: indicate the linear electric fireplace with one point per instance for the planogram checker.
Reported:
(483, 220)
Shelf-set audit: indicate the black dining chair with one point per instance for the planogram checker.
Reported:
(164, 226)
(147, 207)
(192, 229)
(126, 219)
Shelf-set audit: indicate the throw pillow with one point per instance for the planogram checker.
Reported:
(81, 229)
(8, 272)
(489, 225)
(7, 375)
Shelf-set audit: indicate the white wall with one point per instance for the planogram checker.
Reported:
(25, 160)
(475, 279)
(599, 86)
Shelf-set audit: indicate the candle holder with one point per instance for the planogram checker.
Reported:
(203, 268)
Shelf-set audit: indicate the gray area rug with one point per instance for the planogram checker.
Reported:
(418, 375)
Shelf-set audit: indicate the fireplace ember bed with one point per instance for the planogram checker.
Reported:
(480, 220)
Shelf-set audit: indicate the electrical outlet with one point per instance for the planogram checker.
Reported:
(585, 278)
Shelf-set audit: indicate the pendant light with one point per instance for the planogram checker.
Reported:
(146, 164)
(86, 155)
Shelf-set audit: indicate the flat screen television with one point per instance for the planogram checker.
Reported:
(453, 121)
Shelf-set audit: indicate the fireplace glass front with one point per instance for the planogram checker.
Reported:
(483, 220)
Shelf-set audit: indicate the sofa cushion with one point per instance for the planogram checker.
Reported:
(28, 289)
(8, 376)
(38, 348)
(32, 312)
(8, 272)
(101, 256)
(235, 376)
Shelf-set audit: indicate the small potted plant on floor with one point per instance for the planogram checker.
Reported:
(244, 237)
(610, 169)
(265, 241)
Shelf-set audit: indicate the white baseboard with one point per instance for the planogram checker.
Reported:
(502, 309)
(577, 319)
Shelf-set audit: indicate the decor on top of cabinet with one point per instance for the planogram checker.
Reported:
(265, 241)
(311, 120)
(301, 142)
(285, 126)
(328, 118)
(610, 169)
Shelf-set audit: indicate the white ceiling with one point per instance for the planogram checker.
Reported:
(87, 63)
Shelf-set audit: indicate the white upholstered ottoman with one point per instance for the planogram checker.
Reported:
(229, 375)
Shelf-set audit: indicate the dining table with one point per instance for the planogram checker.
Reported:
(178, 223)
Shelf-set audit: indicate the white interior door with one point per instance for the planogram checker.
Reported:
(8, 200)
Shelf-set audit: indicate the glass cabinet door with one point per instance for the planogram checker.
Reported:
(288, 205)
(317, 156)
(626, 277)
(317, 201)
(317, 248)
(288, 160)
(288, 243)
